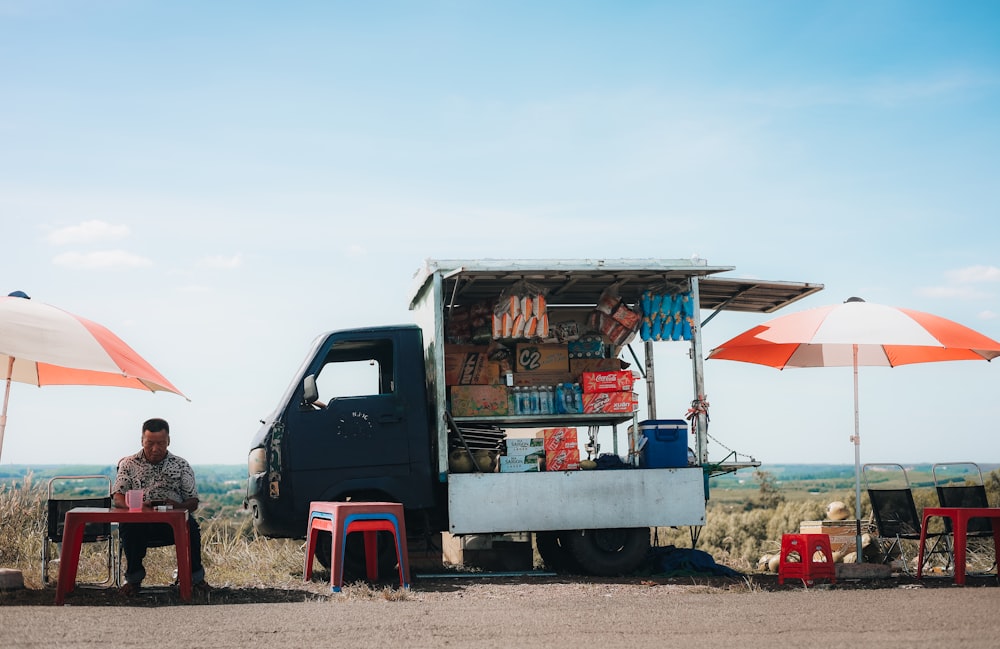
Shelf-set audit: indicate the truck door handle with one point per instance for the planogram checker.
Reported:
(390, 419)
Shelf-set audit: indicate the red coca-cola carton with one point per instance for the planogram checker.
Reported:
(557, 438)
(615, 381)
(610, 402)
(564, 459)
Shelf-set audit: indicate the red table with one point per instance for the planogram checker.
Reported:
(78, 517)
(959, 524)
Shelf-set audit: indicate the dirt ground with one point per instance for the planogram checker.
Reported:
(527, 611)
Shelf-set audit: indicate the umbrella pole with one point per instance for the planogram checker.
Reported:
(6, 396)
(857, 464)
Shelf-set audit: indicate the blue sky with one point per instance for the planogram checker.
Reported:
(218, 183)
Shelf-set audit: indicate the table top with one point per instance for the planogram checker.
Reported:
(121, 514)
(981, 511)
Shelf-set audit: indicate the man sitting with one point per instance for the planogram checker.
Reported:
(165, 479)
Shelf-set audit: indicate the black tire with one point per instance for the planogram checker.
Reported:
(354, 556)
(555, 554)
(610, 552)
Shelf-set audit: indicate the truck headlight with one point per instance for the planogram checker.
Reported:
(257, 461)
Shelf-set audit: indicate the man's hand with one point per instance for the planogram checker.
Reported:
(118, 501)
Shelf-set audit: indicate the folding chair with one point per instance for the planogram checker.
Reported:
(56, 508)
(960, 484)
(896, 515)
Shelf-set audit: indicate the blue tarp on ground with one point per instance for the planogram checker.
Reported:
(684, 562)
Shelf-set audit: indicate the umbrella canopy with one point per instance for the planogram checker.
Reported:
(43, 345)
(852, 334)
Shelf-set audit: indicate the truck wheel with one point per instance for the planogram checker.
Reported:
(354, 556)
(611, 552)
(555, 555)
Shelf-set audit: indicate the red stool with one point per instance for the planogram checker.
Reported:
(342, 518)
(806, 568)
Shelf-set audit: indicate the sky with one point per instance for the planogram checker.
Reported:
(220, 182)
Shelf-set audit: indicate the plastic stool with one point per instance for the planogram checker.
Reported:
(342, 518)
(806, 568)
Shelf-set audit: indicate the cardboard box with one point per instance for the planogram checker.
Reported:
(578, 366)
(540, 357)
(541, 378)
(620, 381)
(525, 445)
(843, 534)
(610, 402)
(565, 459)
(556, 438)
(519, 464)
(465, 365)
(479, 400)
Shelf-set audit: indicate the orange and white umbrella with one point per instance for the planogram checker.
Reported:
(43, 345)
(852, 334)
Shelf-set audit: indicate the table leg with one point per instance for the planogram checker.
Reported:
(959, 525)
(920, 553)
(69, 558)
(182, 542)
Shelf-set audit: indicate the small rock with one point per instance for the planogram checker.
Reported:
(11, 579)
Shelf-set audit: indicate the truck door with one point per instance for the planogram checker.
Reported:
(360, 418)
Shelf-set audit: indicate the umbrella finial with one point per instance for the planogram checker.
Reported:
(853, 299)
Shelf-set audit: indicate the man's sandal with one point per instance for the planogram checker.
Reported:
(129, 590)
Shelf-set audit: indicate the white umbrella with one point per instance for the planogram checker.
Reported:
(43, 345)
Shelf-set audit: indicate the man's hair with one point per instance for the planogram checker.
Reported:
(156, 425)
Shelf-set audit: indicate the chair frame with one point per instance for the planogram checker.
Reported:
(894, 530)
(964, 495)
(56, 509)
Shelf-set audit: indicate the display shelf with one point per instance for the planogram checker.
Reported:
(548, 421)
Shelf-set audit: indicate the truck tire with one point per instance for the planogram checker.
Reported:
(354, 556)
(609, 552)
(555, 554)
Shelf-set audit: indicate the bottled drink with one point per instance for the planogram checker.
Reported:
(515, 401)
(578, 397)
(533, 400)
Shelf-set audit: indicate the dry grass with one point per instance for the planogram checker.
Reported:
(236, 557)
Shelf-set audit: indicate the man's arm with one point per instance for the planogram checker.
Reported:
(118, 500)
(189, 504)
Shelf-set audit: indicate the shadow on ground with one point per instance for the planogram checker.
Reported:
(318, 590)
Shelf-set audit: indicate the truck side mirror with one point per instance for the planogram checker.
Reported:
(309, 391)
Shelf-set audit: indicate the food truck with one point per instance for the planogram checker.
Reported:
(486, 415)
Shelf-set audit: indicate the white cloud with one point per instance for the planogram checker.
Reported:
(220, 261)
(952, 291)
(356, 251)
(988, 315)
(972, 274)
(960, 283)
(88, 232)
(101, 259)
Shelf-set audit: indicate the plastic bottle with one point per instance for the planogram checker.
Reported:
(534, 400)
(569, 399)
(515, 401)
(578, 398)
(559, 400)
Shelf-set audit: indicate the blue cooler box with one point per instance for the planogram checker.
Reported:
(666, 444)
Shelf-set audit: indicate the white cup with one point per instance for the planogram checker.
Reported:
(133, 498)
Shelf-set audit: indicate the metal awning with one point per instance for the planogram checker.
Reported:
(580, 282)
(751, 295)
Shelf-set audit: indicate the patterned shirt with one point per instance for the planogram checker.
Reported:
(172, 479)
